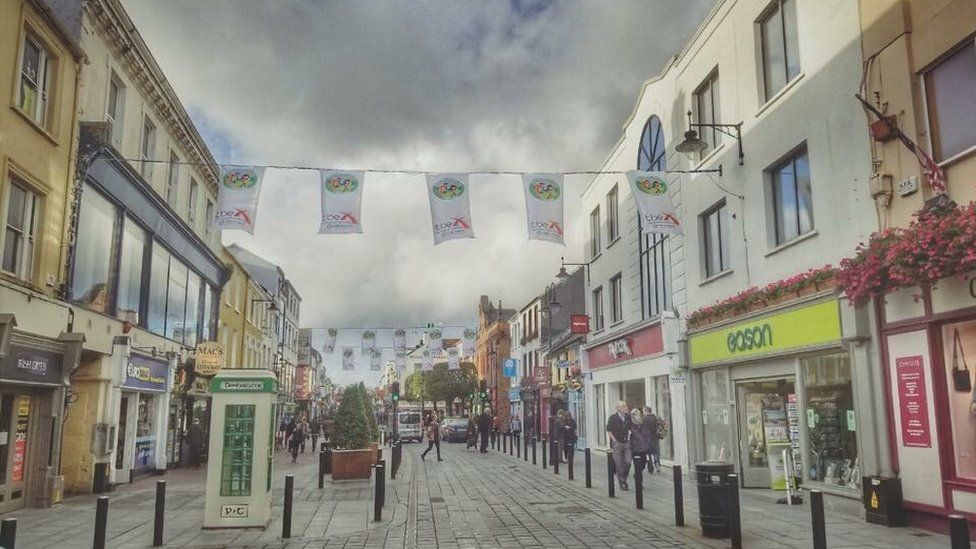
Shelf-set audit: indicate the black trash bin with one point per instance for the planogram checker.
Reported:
(713, 498)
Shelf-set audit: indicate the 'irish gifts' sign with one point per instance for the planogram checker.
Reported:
(913, 402)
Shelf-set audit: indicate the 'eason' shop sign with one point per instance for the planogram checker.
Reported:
(810, 326)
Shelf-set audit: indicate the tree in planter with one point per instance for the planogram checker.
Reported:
(351, 425)
(367, 402)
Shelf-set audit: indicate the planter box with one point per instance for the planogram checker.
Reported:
(352, 464)
(375, 447)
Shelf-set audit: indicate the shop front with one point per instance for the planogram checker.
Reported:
(929, 351)
(143, 418)
(775, 395)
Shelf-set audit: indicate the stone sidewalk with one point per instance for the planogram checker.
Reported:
(490, 501)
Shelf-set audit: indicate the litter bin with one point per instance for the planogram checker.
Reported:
(713, 498)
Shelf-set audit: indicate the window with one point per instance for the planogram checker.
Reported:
(176, 301)
(192, 325)
(598, 309)
(780, 46)
(172, 178)
(20, 231)
(613, 221)
(708, 110)
(115, 108)
(600, 407)
(951, 103)
(148, 147)
(661, 406)
(831, 423)
(191, 204)
(208, 221)
(158, 286)
(715, 420)
(792, 197)
(595, 232)
(616, 300)
(133, 252)
(35, 80)
(94, 251)
(714, 224)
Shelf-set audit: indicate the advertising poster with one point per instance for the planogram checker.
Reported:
(375, 360)
(369, 342)
(435, 341)
(399, 340)
(913, 402)
(348, 358)
(450, 209)
(427, 360)
(544, 206)
(342, 198)
(20, 439)
(237, 197)
(650, 191)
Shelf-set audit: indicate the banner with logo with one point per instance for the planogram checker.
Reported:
(544, 206)
(450, 210)
(650, 190)
(348, 358)
(427, 360)
(400, 361)
(342, 199)
(237, 197)
(453, 359)
(369, 341)
(330, 341)
(435, 341)
(375, 360)
(469, 342)
(399, 341)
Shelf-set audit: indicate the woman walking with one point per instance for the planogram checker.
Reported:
(569, 436)
(658, 431)
(433, 437)
(556, 434)
(640, 440)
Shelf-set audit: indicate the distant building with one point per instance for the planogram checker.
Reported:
(493, 347)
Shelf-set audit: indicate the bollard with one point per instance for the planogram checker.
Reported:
(735, 526)
(511, 444)
(379, 453)
(393, 460)
(321, 470)
(533, 450)
(586, 460)
(611, 487)
(679, 498)
(322, 446)
(8, 533)
(518, 446)
(555, 458)
(382, 480)
(160, 513)
(569, 463)
(328, 461)
(544, 444)
(639, 487)
(101, 521)
(504, 442)
(286, 520)
(959, 532)
(378, 494)
(817, 518)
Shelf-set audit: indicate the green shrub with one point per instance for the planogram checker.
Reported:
(374, 430)
(352, 431)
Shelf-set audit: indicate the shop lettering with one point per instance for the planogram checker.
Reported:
(746, 339)
(33, 367)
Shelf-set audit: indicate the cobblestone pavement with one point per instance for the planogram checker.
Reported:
(471, 500)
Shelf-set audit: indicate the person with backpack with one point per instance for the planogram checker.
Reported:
(433, 437)
(569, 436)
(641, 433)
(659, 431)
(296, 438)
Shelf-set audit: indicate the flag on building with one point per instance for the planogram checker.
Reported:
(931, 170)
(342, 199)
(650, 191)
(237, 197)
(450, 210)
(544, 206)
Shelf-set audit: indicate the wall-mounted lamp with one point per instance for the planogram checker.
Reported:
(693, 144)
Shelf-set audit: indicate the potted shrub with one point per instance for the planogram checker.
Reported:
(352, 456)
(374, 430)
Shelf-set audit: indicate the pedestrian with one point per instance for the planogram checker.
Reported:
(556, 436)
(618, 433)
(569, 436)
(658, 430)
(640, 441)
(515, 426)
(529, 426)
(296, 439)
(484, 426)
(496, 426)
(471, 435)
(433, 437)
(305, 432)
(316, 432)
(195, 439)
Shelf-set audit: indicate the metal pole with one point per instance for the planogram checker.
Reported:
(328, 461)
(8, 533)
(377, 495)
(393, 465)
(518, 445)
(817, 518)
(322, 470)
(382, 481)
(286, 520)
(533, 450)
(611, 487)
(589, 477)
(525, 446)
(569, 462)
(544, 444)
(511, 443)
(160, 513)
(679, 498)
(639, 487)
(735, 526)
(555, 458)
(959, 532)
(101, 521)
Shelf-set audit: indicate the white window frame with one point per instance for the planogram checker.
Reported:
(42, 80)
(597, 301)
(616, 299)
(191, 202)
(775, 9)
(718, 209)
(613, 215)
(147, 147)
(595, 236)
(25, 262)
(115, 119)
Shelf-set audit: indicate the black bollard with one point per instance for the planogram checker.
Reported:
(8, 533)
(586, 463)
(393, 458)
(525, 448)
(533, 450)
(378, 494)
(328, 461)
(289, 493)
(639, 487)
(611, 487)
(511, 444)
(817, 518)
(518, 446)
(959, 532)
(101, 522)
(322, 470)
(382, 480)
(555, 458)
(569, 463)
(545, 443)
(735, 526)
(160, 513)
(679, 498)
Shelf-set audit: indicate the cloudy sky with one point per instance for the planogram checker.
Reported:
(519, 85)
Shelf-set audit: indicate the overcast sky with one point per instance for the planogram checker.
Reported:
(516, 85)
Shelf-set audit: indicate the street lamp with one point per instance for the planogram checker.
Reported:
(564, 275)
(693, 144)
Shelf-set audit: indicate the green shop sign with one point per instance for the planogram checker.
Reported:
(244, 385)
(809, 326)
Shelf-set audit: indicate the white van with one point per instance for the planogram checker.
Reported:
(409, 426)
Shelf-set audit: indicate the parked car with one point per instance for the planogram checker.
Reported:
(408, 426)
(454, 429)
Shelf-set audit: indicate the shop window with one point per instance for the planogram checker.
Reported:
(959, 350)
(951, 103)
(600, 407)
(158, 285)
(192, 326)
(661, 406)
(716, 424)
(780, 46)
(145, 450)
(176, 301)
(791, 191)
(94, 252)
(20, 230)
(830, 420)
(130, 272)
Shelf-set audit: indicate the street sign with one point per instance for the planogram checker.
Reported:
(579, 324)
(511, 367)
(209, 358)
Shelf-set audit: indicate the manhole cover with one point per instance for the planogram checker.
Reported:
(572, 510)
(437, 500)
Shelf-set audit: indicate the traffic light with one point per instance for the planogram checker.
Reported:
(395, 392)
(483, 390)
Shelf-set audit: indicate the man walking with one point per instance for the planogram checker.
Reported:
(618, 433)
(433, 437)
(484, 426)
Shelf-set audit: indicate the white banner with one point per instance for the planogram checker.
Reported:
(237, 197)
(348, 358)
(427, 360)
(376, 360)
(369, 341)
(450, 210)
(453, 359)
(400, 362)
(399, 341)
(650, 190)
(330, 341)
(435, 341)
(544, 206)
(469, 342)
(342, 199)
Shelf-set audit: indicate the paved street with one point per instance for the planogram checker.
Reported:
(470, 500)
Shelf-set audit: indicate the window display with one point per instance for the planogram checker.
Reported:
(661, 404)
(959, 350)
(830, 421)
(716, 421)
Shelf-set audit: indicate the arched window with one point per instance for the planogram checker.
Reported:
(651, 154)
(655, 263)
